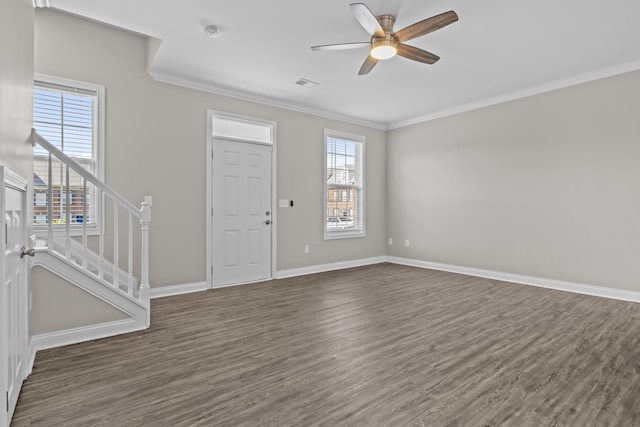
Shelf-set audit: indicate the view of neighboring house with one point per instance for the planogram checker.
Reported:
(64, 204)
(341, 196)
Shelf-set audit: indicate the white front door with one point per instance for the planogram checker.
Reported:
(242, 212)
(13, 300)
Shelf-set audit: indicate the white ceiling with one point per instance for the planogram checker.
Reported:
(499, 49)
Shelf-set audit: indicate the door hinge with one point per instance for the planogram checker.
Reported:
(211, 211)
(212, 269)
(212, 155)
(7, 393)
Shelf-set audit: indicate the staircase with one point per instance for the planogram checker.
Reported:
(82, 239)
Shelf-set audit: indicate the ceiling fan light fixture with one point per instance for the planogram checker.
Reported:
(384, 49)
(386, 43)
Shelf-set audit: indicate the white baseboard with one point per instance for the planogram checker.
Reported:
(579, 288)
(230, 285)
(321, 268)
(187, 288)
(85, 333)
(31, 358)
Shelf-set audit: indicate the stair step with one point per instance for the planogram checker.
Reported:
(92, 263)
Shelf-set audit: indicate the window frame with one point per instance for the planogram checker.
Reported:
(99, 150)
(361, 189)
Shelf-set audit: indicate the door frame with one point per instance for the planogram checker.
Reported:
(11, 179)
(209, 186)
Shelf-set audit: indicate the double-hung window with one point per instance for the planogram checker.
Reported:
(344, 185)
(68, 114)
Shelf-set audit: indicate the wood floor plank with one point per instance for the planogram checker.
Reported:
(382, 345)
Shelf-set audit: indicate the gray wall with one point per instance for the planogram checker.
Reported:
(546, 186)
(54, 298)
(16, 85)
(156, 141)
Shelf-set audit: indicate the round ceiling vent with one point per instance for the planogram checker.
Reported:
(211, 31)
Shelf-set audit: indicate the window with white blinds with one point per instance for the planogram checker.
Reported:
(344, 185)
(67, 114)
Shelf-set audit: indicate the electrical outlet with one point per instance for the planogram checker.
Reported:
(406, 243)
(390, 241)
(306, 249)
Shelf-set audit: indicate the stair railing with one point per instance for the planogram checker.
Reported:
(143, 214)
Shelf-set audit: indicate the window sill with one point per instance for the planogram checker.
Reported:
(335, 235)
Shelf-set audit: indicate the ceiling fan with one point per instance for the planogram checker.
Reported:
(385, 43)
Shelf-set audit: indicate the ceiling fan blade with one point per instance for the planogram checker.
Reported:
(341, 46)
(368, 65)
(367, 19)
(426, 26)
(416, 54)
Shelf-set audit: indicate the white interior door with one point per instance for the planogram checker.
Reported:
(242, 212)
(13, 301)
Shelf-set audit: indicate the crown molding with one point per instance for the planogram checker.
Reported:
(176, 80)
(523, 93)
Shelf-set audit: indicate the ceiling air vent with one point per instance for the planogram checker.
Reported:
(306, 83)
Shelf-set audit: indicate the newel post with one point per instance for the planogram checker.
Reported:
(145, 290)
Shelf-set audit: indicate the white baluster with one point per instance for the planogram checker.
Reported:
(84, 223)
(50, 244)
(101, 239)
(116, 246)
(145, 290)
(67, 217)
(130, 260)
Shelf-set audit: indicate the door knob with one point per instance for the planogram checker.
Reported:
(267, 222)
(25, 251)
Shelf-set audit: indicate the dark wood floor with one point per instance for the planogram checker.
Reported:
(383, 345)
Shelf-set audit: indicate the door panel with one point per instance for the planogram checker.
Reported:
(241, 207)
(13, 301)
(230, 249)
(231, 195)
(254, 197)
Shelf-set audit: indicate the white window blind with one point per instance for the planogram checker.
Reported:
(344, 185)
(67, 116)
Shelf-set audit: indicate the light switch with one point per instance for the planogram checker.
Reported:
(283, 203)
